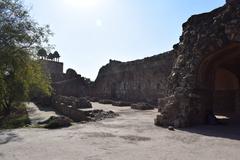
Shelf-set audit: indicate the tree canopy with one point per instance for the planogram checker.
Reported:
(20, 38)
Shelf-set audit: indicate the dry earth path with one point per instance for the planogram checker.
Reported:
(131, 136)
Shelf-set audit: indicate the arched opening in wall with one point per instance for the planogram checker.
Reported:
(225, 96)
(218, 79)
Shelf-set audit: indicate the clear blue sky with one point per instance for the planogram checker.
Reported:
(87, 33)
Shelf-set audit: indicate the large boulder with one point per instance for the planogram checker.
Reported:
(56, 122)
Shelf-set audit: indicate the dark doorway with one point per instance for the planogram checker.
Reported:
(225, 97)
(219, 78)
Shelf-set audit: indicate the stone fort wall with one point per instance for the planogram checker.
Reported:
(65, 84)
(142, 80)
(52, 67)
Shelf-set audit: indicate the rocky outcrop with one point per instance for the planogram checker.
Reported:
(136, 81)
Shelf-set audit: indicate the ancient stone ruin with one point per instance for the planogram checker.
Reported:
(141, 80)
(66, 84)
(197, 79)
(205, 76)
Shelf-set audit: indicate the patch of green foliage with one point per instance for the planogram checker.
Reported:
(16, 119)
(20, 72)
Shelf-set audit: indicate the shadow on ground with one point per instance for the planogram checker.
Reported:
(228, 131)
(8, 136)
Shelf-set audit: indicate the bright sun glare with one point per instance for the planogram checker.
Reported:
(81, 3)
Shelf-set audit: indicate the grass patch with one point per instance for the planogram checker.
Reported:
(18, 118)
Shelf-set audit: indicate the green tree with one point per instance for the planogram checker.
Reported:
(20, 71)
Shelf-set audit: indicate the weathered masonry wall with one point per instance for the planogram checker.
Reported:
(76, 87)
(141, 80)
(66, 84)
(210, 42)
(52, 67)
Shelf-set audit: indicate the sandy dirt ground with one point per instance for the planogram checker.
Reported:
(38, 114)
(131, 136)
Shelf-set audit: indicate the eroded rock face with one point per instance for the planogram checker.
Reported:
(206, 41)
(136, 81)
